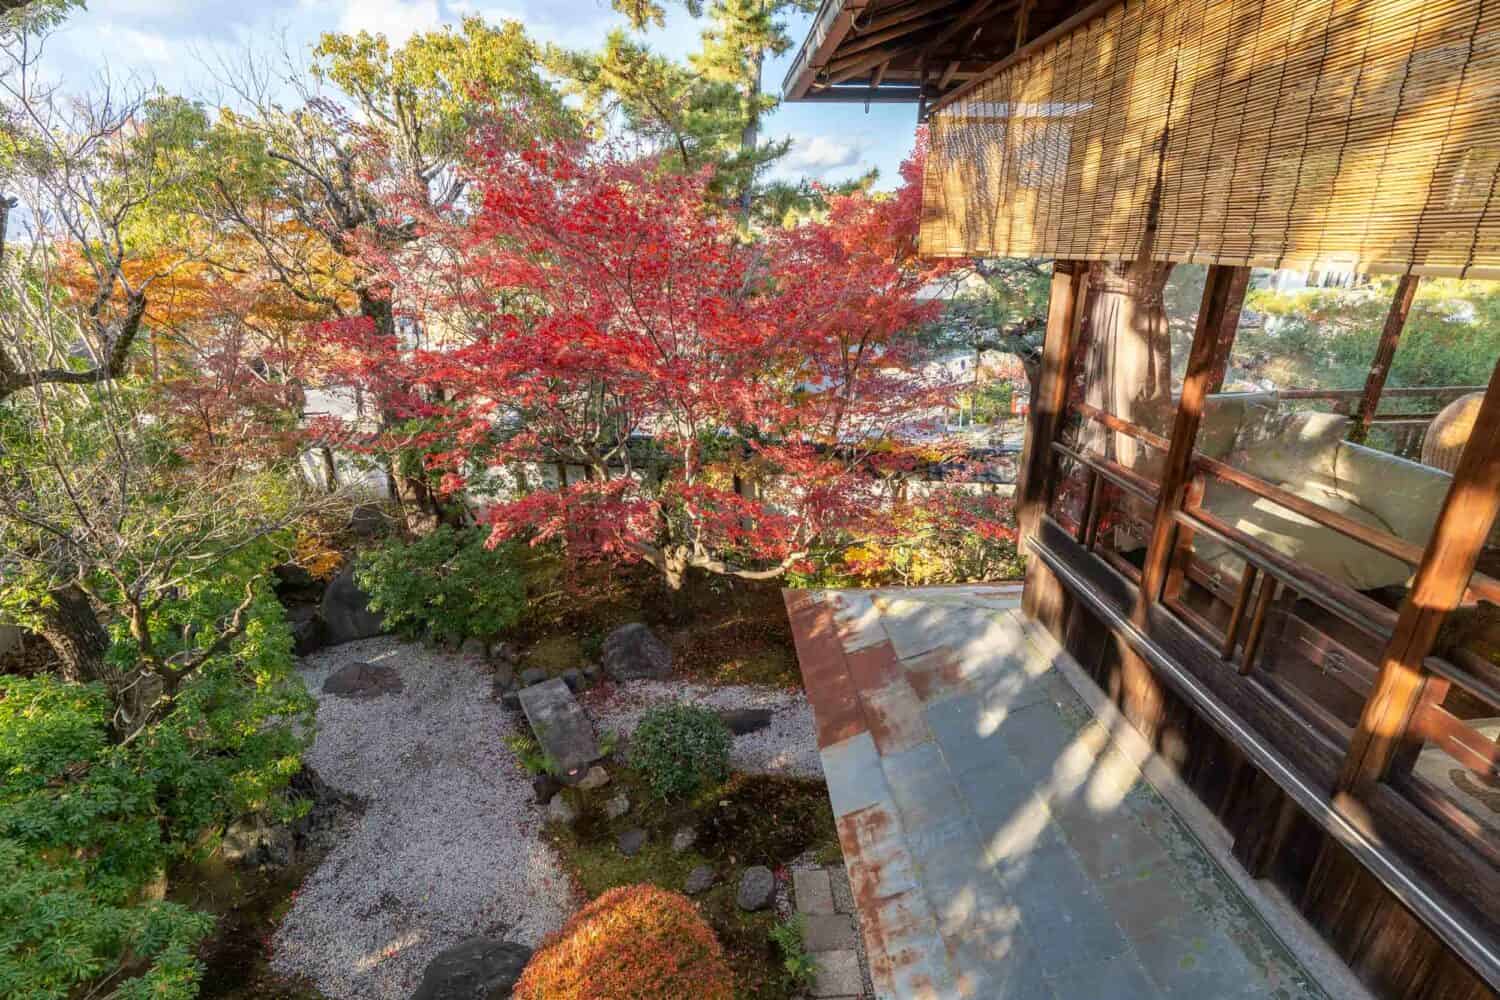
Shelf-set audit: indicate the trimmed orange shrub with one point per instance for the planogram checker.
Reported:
(636, 942)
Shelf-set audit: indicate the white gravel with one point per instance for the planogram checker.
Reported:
(789, 745)
(448, 847)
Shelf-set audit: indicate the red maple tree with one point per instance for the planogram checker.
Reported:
(734, 402)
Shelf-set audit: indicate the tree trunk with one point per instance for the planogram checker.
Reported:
(72, 629)
(750, 137)
(330, 469)
(422, 510)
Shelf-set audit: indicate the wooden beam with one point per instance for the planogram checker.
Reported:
(879, 77)
(870, 41)
(1177, 471)
(1023, 24)
(1031, 48)
(899, 16)
(1385, 353)
(1463, 525)
(1064, 313)
(1228, 325)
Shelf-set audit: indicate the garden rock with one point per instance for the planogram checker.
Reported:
(544, 787)
(684, 839)
(565, 733)
(631, 841)
(502, 681)
(597, 777)
(560, 810)
(511, 700)
(742, 721)
(328, 817)
(481, 969)
(532, 675)
(633, 652)
(309, 634)
(699, 880)
(501, 651)
(617, 806)
(346, 611)
(574, 680)
(472, 649)
(361, 681)
(255, 840)
(757, 889)
(368, 521)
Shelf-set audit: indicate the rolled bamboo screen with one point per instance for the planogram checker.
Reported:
(1338, 134)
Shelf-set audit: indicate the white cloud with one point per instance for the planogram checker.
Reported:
(816, 155)
(397, 20)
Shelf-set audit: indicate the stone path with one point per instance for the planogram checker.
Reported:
(997, 844)
(830, 933)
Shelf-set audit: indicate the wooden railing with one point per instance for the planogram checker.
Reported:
(1269, 574)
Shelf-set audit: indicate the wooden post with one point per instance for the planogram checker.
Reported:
(1218, 300)
(1395, 321)
(1229, 324)
(1069, 281)
(1463, 524)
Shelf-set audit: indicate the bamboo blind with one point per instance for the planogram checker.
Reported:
(1349, 134)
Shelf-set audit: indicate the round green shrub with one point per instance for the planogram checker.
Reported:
(680, 749)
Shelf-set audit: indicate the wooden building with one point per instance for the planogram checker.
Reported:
(1301, 624)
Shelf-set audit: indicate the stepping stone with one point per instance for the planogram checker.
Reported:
(561, 727)
(828, 932)
(837, 975)
(746, 720)
(813, 890)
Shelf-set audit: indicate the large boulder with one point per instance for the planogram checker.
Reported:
(346, 611)
(361, 681)
(633, 652)
(309, 634)
(481, 969)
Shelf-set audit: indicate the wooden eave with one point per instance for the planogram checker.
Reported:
(914, 51)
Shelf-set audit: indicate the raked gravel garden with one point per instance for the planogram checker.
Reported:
(465, 840)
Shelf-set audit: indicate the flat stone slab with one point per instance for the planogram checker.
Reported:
(561, 727)
(837, 975)
(813, 890)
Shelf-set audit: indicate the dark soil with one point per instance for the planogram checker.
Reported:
(249, 903)
(720, 629)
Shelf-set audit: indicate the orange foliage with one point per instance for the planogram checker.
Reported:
(632, 943)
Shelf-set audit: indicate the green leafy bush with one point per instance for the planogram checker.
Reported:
(530, 757)
(788, 935)
(680, 749)
(88, 825)
(448, 584)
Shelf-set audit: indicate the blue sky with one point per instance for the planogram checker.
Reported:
(172, 42)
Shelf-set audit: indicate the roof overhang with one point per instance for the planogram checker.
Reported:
(912, 51)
